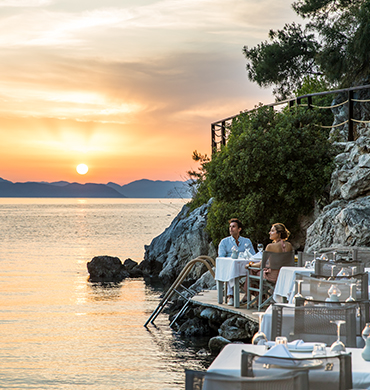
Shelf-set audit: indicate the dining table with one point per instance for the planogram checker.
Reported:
(285, 284)
(228, 362)
(230, 270)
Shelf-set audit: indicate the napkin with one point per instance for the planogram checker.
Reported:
(257, 256)
(278, 351)
(296, 345)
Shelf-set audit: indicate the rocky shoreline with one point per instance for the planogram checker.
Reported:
(345, 221)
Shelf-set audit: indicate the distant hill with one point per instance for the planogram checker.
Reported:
(137, 189)
(153, 189)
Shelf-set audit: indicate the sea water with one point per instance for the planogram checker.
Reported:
(58, 330)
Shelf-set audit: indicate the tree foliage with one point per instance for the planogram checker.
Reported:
(272, 169)
(334, 44)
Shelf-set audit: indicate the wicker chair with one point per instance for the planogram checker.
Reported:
(312, 322)
(362, 313)
(303, 257)
(330, 372)
(262, 287)
(197, 380)
(317, 286)
(324, 268)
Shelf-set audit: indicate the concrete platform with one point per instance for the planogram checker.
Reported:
(208, 298)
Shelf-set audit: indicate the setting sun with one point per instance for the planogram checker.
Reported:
(82, 169)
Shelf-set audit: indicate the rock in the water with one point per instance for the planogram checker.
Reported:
(106, 269)
(215, 344)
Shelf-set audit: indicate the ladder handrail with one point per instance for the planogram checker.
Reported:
(185, 271)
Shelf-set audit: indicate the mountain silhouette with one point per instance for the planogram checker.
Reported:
(138, 189)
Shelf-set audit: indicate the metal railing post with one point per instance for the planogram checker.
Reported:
(350, 115)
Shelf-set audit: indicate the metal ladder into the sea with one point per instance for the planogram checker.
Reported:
(208, 262)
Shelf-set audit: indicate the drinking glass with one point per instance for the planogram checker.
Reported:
(259, 338)
(260, 247)
(354, 270)
(338, 346)
(281, 340)
(319, 349)
(299, 292)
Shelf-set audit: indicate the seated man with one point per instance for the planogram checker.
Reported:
(234, 240)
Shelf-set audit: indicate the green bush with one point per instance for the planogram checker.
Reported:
(273, 168)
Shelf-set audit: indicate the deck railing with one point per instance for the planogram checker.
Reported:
(220, 130)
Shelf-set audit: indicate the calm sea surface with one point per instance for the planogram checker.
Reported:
(57, 330)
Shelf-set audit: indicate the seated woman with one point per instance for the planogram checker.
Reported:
(279, 235)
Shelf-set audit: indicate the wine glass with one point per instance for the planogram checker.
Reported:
(260, 247)
(338, 346)
(299, 291)
(259, 338)
(351, 295)
(332, 272)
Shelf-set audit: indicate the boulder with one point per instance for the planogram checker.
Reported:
(194, 327)
(237, 328)
(106, 269)
(215, 344)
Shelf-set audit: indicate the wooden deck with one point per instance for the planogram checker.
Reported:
(208, 298)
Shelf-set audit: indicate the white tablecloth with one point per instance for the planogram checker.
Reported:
(229, 361)
(229, 270)
(288, 323)
(285, 284)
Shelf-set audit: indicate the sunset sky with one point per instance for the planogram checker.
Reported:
(128, 87)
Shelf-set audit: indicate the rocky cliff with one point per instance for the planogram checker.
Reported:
(346, 220)
(184, 240)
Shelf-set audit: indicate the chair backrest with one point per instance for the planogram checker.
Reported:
(362, 312)
(357, 253)
(318, 286)
(312, 323)
(303, 257)
(197, 380)
(323, 268)
(277, 260)
(332, 372)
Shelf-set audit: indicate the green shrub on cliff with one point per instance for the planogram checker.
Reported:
(273, 168)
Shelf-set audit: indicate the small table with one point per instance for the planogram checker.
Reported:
(285, 282)
(230, 270)
(228, 362)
